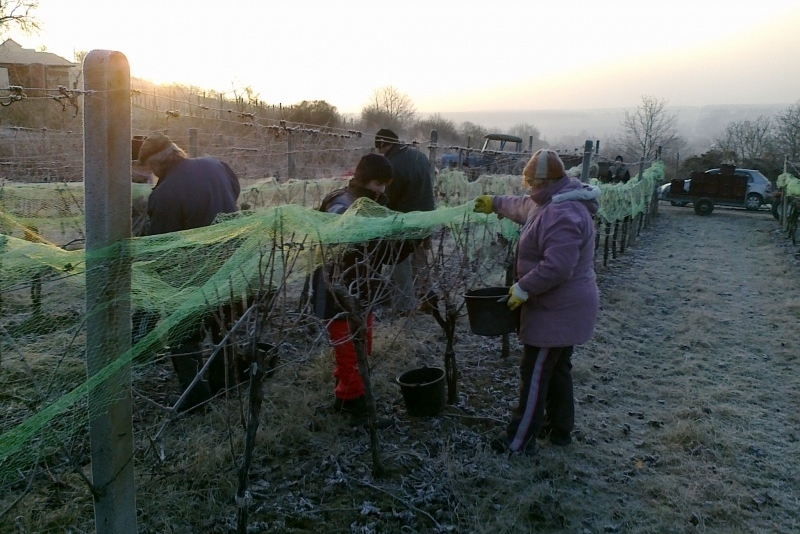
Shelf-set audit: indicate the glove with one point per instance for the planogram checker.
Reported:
(483, 204)
(516, 296)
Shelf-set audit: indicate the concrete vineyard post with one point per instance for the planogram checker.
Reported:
(107, 182)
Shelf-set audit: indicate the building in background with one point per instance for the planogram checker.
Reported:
(33, 71)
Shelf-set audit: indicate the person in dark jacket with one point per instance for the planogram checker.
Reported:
(190, 193)
(620, 172)
(372, 175)
(411, 190)
(557, 290)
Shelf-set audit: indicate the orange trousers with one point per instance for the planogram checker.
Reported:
(348, 380)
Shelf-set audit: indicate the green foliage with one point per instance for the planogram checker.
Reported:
(445, 128)
(707, 160)
(315, 112)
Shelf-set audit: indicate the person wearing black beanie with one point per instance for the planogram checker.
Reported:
(372, 175)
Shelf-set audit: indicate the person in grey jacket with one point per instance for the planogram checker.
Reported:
(411, 190)
(557, 291)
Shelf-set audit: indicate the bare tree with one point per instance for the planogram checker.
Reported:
(526, 130)
(748, 140)
(649, 127)
(18, 13)
(787, 133)
(448, 134)
(389, 108)
(471, 134)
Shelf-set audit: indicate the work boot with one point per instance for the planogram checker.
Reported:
(556, 436)
(501, 444)
(187, 361)
(359, 413)
(560, 438)
(357, 406)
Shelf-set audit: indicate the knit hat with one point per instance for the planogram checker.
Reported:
(385, 135)
(544, 165)
(153, 144)
(373, 167)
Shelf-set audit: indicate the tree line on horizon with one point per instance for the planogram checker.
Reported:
(760, 144)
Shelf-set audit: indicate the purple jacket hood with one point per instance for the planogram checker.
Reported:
(555, 262)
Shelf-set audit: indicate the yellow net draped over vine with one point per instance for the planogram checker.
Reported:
(618, 201)
(177, 277)
(790, 183)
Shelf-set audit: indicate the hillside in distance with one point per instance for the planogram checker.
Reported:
(698, 124)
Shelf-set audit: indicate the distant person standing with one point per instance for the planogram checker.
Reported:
(411, 190)
(190, 193)
(619, 172)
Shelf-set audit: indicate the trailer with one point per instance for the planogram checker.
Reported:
(706, 190)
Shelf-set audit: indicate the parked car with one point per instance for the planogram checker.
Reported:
(759, 189)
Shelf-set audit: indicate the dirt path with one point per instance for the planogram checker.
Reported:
(690, 387)
(686, 419)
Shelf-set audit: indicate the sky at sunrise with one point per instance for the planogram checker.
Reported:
(463, 55)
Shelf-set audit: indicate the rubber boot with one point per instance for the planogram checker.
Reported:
(187, 360)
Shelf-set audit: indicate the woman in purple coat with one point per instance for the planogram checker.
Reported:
(557, 289)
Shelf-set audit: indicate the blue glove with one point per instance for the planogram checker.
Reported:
(516, 296)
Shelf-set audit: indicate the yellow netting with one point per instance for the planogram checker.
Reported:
(790, 183)
(618, 201)
(177, 277)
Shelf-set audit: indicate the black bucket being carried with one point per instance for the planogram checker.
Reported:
(423, 391)
(488, 312)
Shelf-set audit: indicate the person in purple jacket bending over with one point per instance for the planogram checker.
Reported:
(557, 290)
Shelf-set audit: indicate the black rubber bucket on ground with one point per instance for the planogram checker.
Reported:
(488, 312)
(423, 391)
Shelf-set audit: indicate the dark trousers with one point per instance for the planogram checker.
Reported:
(223, 372)
(545, 395)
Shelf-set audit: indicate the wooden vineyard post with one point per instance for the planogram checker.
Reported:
(588, 147)
(107, 182)
(193, 142)
(432, 154)
(784, 195)
(290, 155)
